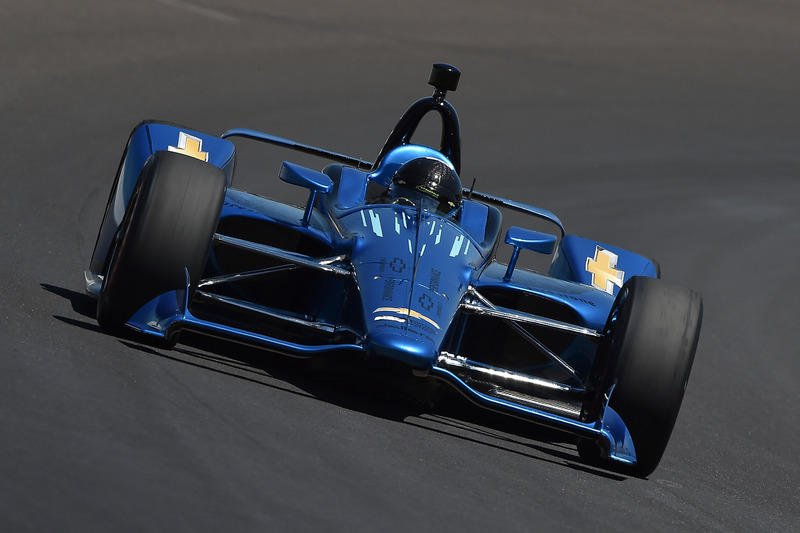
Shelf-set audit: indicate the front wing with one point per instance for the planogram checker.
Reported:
(543, 401)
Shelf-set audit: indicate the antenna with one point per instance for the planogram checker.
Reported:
(469, 194)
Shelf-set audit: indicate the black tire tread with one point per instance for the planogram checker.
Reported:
(653, 342)
(168, 226)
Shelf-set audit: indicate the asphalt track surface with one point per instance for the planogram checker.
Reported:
(668, 128)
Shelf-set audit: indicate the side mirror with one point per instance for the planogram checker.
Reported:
(312, 180)
(521, 238)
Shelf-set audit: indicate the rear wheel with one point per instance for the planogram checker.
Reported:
(654, 329)
(168, 227)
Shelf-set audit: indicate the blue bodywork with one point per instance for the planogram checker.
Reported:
(348, 273)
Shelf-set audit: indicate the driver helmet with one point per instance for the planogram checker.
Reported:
(428, 183)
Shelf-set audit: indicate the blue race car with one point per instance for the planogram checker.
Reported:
(395, 261)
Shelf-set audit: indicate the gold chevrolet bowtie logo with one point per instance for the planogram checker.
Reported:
(603, 270)
(191, 146)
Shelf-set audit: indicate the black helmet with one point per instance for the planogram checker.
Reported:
(429, 183)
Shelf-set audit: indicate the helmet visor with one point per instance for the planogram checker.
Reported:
(423, 198)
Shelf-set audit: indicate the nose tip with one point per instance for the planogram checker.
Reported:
(413, 351)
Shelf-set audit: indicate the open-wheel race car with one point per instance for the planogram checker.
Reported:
(394, 260)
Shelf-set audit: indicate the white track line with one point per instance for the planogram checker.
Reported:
(200, 10)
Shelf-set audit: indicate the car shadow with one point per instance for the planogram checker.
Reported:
(355, 384)
(82, 303)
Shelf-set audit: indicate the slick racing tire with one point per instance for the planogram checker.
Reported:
(654, 329)
(167, 228)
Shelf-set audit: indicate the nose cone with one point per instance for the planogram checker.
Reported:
(418, 353)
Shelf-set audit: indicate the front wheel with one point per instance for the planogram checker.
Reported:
(654, 328)
(167, 228)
